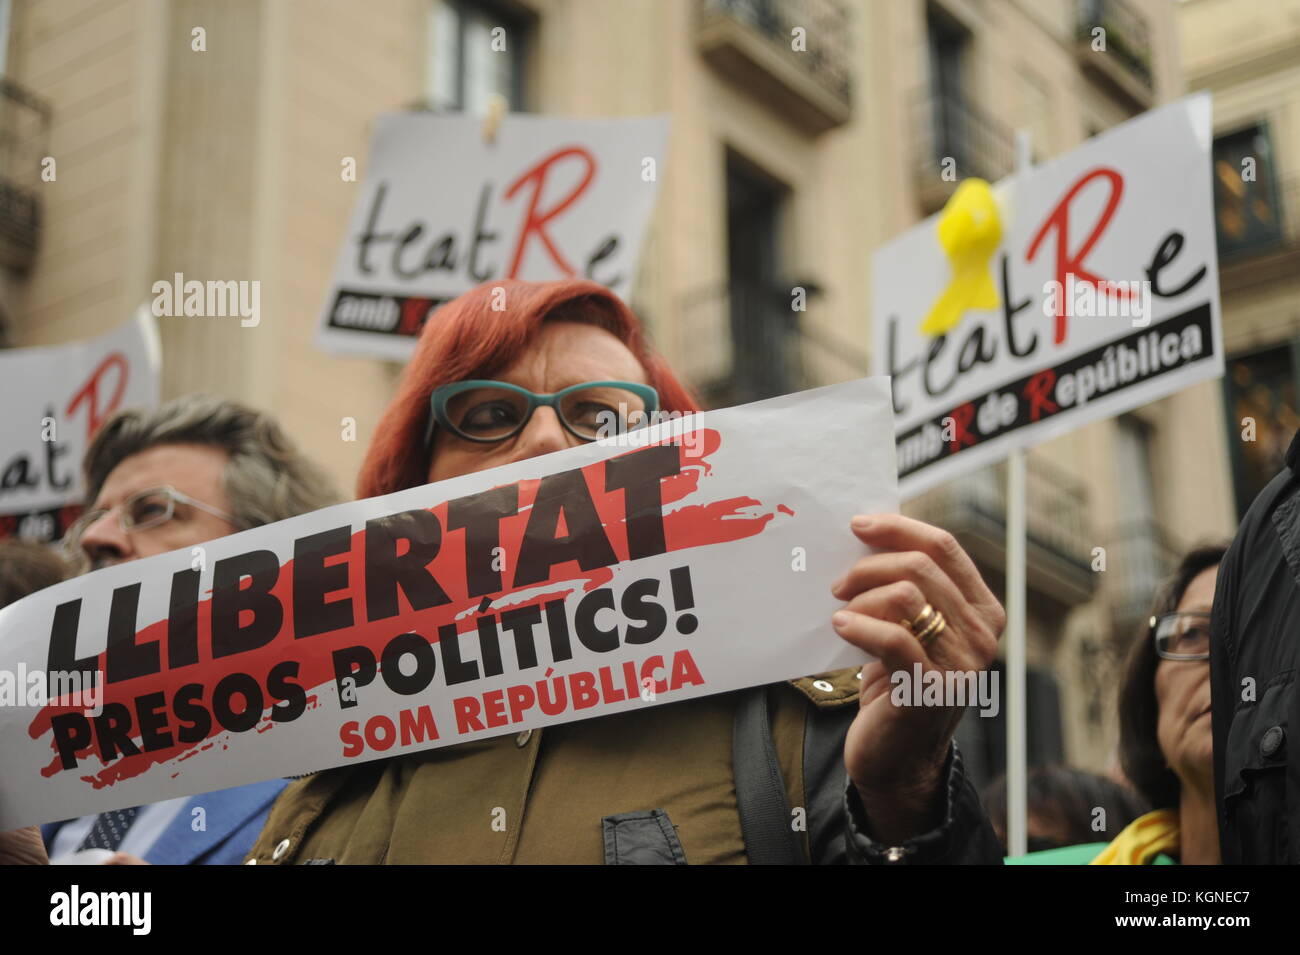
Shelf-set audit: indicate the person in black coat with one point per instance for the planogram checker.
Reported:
(1255, 635)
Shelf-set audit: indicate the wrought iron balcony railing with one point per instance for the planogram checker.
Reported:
(760, 342)
(955, 139)
(795, 55)
(759, 346)
(1127, 39)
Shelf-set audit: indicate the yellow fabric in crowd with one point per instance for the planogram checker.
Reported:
(1142, 840)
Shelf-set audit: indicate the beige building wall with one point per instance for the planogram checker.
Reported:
(98, 65)
(218, 164)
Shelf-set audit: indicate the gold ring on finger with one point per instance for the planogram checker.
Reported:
(932, 630)
(920, 621)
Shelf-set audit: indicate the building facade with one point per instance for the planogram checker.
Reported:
(205, 137)
(1251, 65)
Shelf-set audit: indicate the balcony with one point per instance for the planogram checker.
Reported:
(1124, 67)
(24, 127)
(1059, 540)
(1139, 557)
(748, 343)
(953, 140)
(752, 43)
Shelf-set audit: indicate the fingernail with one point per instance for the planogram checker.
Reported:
(840, 619)
(835, 587)
(860, 523)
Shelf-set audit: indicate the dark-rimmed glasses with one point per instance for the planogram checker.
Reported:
(488, 411)
(1182, 635)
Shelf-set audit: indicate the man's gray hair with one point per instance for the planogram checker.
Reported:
(266, 478)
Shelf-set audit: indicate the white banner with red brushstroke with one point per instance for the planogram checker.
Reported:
(443, 210)
(54, 399)
(690, 558)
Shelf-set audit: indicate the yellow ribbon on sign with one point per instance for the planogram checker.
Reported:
(969, 231)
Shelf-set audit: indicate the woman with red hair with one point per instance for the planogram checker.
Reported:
(823, 769)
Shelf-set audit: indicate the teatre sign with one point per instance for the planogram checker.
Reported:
(691, 558)
(1101, 294)
(442, 211)
(54, 399)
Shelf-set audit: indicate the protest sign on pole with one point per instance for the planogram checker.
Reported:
(686, 559)
(54, 399)
(444, 209)
(1017, 770)
(1083, 289)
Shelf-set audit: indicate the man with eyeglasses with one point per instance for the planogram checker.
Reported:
(109, 535)
(196, 469)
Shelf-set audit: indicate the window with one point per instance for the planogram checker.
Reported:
(1263, 415)
(955, 128)
(1246, 211)
(949, 44)
(475, 50)
(761, 318)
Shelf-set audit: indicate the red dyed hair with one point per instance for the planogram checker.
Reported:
(467, 338)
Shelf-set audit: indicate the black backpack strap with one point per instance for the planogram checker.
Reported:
(824, 779)
(765, 819)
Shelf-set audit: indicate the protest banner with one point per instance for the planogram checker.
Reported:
(442, 211)
(1076, 291)
(689, 558)
(54, 399)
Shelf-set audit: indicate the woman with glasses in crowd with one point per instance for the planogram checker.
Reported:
(861, 780)
(1166, 745)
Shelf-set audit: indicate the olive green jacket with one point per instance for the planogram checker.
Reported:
(645, 785)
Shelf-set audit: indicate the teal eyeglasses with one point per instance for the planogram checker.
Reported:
(488, 411)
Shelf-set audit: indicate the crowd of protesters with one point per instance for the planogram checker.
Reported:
(1196, 784)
